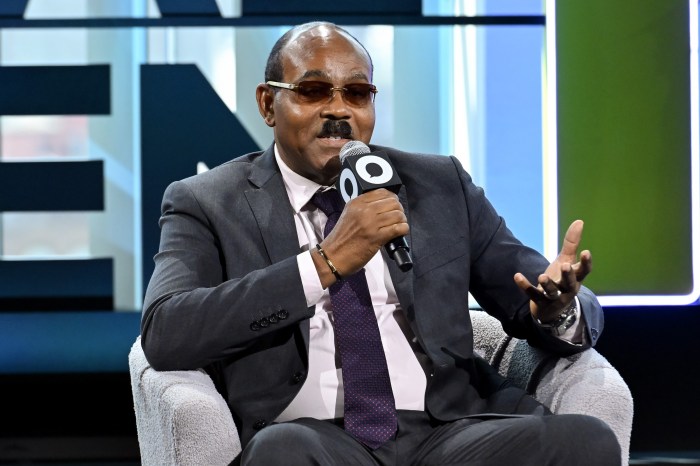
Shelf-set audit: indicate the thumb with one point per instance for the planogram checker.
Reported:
(572, 239)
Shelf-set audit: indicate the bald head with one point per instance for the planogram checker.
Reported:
(303, 35)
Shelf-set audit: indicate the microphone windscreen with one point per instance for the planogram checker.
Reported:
(353, 148)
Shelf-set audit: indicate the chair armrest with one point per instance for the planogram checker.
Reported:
(181, 418)
(584, 383)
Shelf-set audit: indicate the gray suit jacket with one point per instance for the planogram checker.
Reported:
(226, 293)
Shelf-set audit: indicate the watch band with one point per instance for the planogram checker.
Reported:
(564, 322)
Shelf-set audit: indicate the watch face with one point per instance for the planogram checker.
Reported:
(565, 321)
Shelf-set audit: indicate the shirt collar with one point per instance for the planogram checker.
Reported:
(299, 189)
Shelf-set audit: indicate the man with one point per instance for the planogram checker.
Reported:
(245, 278)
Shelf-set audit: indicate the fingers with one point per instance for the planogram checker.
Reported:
(550, 289)
(572, 239)
(366, 224)
(381, 196)
(547, 288)
(567, 255)
(569, 281)
(584, 266)
(548, 298)
(382, 210)
(391, 218)
(561, 281)
(528, 288)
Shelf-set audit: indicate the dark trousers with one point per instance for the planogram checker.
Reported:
(566, 439)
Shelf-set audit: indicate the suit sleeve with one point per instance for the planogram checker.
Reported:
(496, 256)
(193, 314)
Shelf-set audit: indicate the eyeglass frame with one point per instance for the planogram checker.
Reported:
(293, 87)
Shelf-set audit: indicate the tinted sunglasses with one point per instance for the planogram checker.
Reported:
(313, 92)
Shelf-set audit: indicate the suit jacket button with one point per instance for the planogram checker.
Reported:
(264, 322)
(259, 424)
(273, 318)
(594, 332)
(281, 315)
(255, 326)
(298, 377)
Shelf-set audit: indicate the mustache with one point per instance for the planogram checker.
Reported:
(336, 128)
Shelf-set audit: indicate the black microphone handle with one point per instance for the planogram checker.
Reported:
(397, 249)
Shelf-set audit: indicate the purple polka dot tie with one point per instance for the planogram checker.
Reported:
(370, 412)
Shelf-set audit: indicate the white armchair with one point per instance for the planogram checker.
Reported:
(182, 420)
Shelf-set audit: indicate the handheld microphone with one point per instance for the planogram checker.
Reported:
(363, 170)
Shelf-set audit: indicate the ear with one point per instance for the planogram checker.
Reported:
(266, 97)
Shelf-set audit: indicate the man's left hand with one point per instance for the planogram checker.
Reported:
(560, 283)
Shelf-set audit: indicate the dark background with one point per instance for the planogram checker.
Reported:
(655, 350)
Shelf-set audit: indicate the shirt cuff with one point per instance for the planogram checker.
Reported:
(310, 281)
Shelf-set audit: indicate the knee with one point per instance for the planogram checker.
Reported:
(593, 430)
(279, 444)
(586, 436)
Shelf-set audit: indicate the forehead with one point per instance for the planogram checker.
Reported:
(325, 52)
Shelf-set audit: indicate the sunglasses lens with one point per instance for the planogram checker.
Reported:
(314, 91)
(358, 94)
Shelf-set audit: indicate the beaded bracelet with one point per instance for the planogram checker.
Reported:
(328, 261)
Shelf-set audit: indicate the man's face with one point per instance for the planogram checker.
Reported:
(309, 135)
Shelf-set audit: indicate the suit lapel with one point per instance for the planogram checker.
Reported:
(403, 281)
(270, 205)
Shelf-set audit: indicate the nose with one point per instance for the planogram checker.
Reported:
(333, 90)
(336, 106)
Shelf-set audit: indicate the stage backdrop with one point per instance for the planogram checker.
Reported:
(627, 147)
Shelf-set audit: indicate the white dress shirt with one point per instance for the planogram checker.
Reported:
(321, 395)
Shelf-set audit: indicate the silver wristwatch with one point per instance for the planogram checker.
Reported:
(564, 322)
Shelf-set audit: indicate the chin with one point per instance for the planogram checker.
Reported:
(330, 171)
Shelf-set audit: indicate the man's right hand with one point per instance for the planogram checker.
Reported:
(367, 223)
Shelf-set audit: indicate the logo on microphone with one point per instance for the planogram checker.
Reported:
(347, 185)
(365, 172)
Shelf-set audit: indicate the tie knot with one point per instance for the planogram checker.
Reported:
(328, 201)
